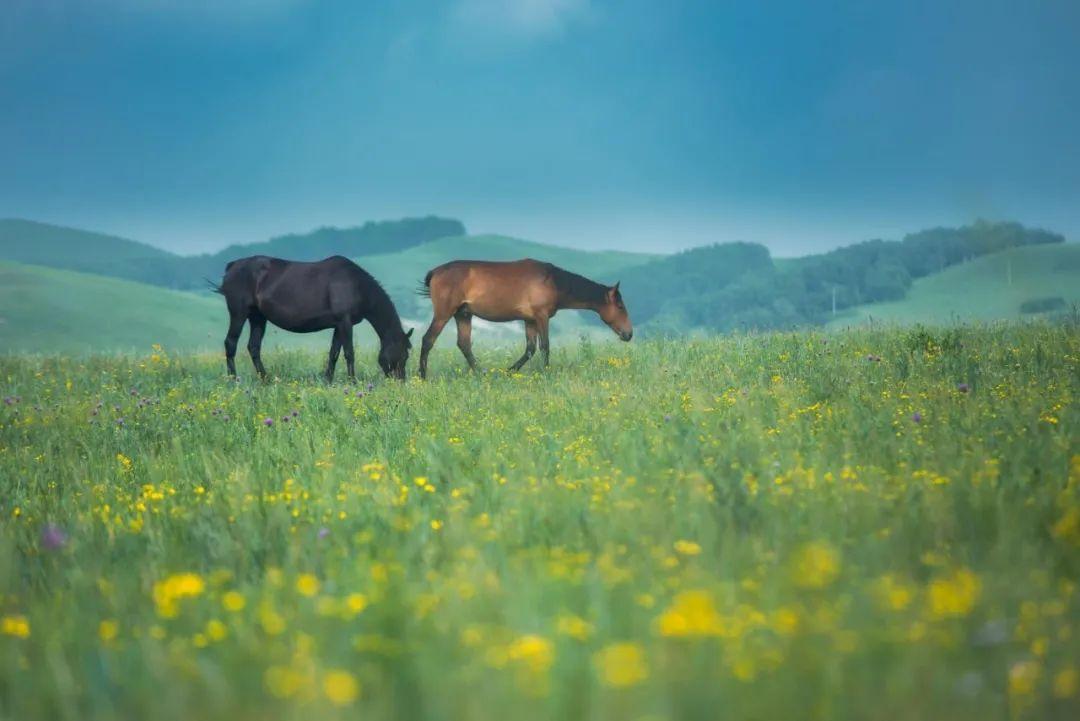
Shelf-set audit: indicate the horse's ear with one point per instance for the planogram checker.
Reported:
(409, 334)
(616, 286)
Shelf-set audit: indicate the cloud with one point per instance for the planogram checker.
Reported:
(520, 18)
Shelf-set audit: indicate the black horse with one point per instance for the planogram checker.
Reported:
(306, 297)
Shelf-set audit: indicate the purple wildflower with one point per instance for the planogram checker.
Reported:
(370, 387)
(268, 422)
(53, 537)
(667, 418)
(295, 413)
(963, 387)
(284, 419)
(323, 532)
(916, 417)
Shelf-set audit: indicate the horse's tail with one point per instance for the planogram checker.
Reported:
(214, 286)
(424, 289)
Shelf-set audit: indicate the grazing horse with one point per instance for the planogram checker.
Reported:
(527, 290)
(306, 297)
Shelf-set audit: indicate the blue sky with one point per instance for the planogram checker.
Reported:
(646, 125)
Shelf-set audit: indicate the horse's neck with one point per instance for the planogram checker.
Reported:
(567, 303)
(384, 319)
(579, 301)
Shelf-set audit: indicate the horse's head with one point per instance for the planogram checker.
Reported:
(613, 312)
(394, 354)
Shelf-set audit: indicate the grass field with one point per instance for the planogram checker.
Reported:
(877, 524)
(988, 288)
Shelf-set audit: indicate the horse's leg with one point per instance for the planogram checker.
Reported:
(256, 329)
(345, 333)
(335, 348)
(530, 346)
(432, 334)
(236, 326)
(542, 330)
(464, 337)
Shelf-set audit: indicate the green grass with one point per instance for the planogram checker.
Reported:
(753, 527)
(981, 289)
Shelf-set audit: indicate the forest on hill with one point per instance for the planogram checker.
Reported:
(740, 286)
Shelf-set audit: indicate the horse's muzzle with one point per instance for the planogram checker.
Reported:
(626, 334)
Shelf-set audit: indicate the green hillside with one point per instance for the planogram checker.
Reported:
(26, 241)
(988, 288)
(44, 309)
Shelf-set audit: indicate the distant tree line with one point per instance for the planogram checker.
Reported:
(740, 286)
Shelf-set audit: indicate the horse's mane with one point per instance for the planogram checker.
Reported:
(577, 287)
(384, 314)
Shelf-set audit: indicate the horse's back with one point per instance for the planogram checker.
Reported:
(490, 269)
(493, 290)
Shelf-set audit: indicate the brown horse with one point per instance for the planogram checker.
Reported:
(527, 290)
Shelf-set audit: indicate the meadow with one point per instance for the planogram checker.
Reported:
(871, 524)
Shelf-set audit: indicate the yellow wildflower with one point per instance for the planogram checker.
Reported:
(691, 613)
(816, 565)
(233, 601)
(621, 665)
(16, 626)
(307, 585)
(891, 593)
(1066, 682)
(271, 621)
(954, 596)
(575, 627)
(1023, 677)
(687, 548)
(174, 588)
(282, 682)
(535, 652)
(216, 630)
(107, 630)
(355, 603)
(340, 687)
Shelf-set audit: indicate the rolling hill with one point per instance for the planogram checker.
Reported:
(988, 288)
(50, 310)
(26, 241)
